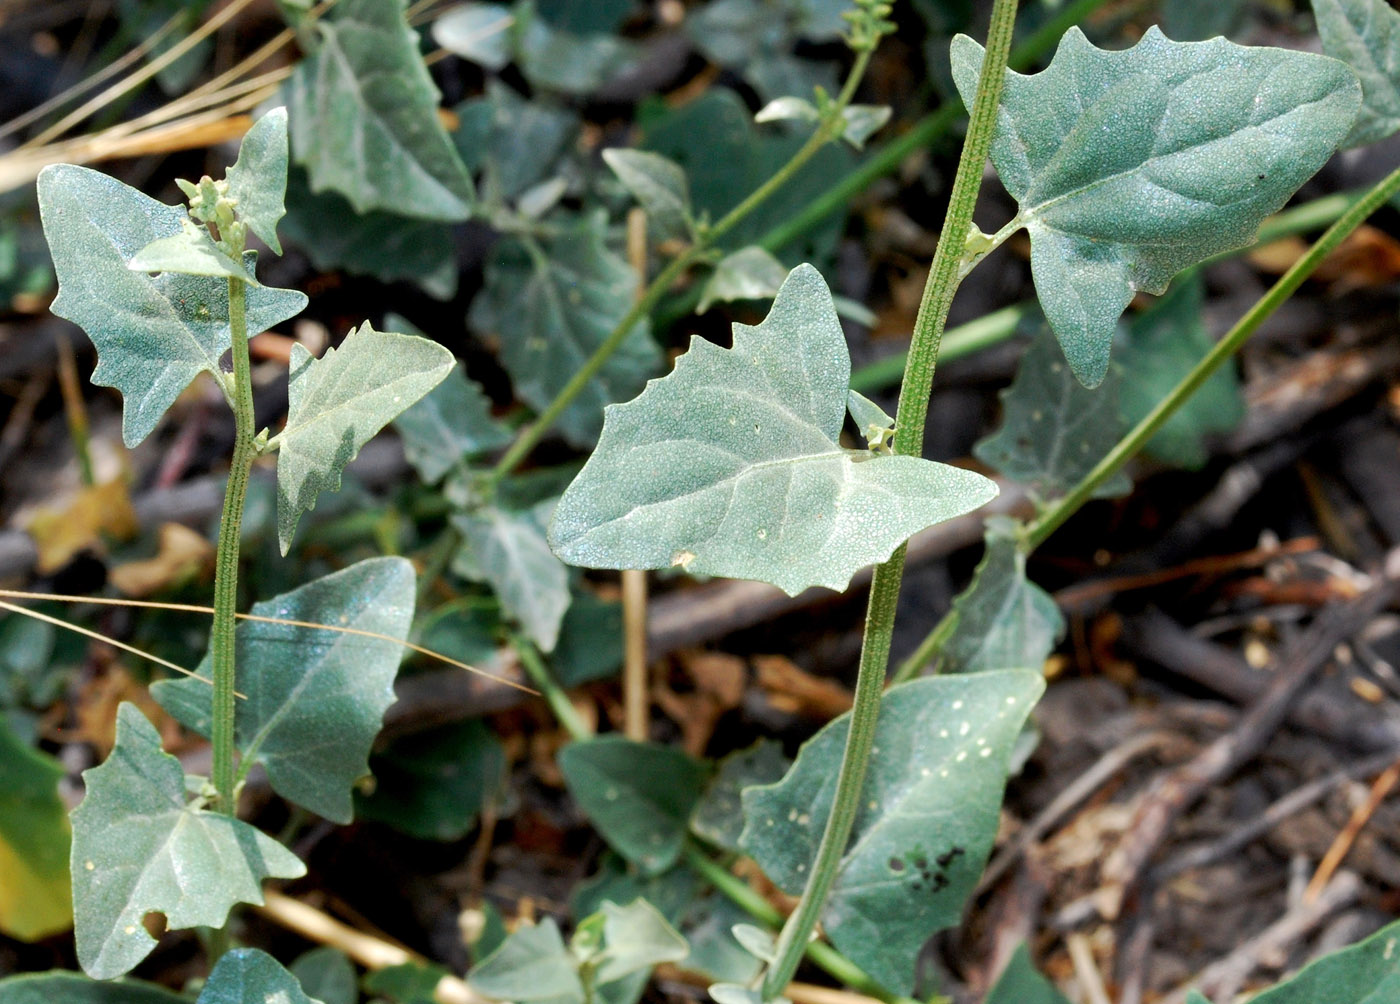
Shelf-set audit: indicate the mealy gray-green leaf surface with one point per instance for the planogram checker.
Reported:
(248, 976)
(552, 304)
(258, 179)
(138, 847)
(533, 964)
(190, 252)
(57, 986)
(315, 698)
(453, 422)
(719, 816)
(1365, 34)
(153, 334)
(932, 798)
(732, 464)
(337, 403)
(364, 117)
(1054, 430)
(659, 186)
(1365, 973)
(636, 937)
(1131, 166)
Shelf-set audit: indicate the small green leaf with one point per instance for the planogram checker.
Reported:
(153, 334)
(590, 641)
(1161, 346)
(715, 952)
(1196, 997)
(509, 551)
(532, 965)
(315, 697)
(1365, 973)
(659, 186)
(638, 795)
(636, 937)
(732, 464)
(1020, 983)
(750, 273)
(432, 785)
(516, 143)
(719, 816)
(58, 987)
(190, 252)
(35, 892)
(787, 109)
(248, 976)
(136, 841)
(929, 815)
(409, 983)
(257, 181)
(453, 422)
(1131, 166)
(326, 974)
(1365, 34)
(364, 117)
(862, 122)
(553, 303)
(338, 402)
(874, 423)
(1004, 619)
(1053, 430)
(559, 60)
(479, 32)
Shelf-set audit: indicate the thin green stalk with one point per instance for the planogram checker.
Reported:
(554, 695)
(221, 634)
(944, 276)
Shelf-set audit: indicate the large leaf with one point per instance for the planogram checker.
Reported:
(140, 847)
(1053, 430)
(1162, 345)
(515, 142)
(927, 820)
(315, 697)
(552, 305)
(35, 896)
(732, 464)
(1020, 983)
(638, 795)
(1131, 166)
(327, 974)
(533, 964)
(1366, 973)
(1004, 619)
(364, 117)
(153, 334)
(70, 988)
(453, 422)
(555, 59)
(337, 403)
(509, 551)
(257, 181)
(1365, 34)
(248, 976)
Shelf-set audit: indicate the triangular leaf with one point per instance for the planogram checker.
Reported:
(1366, 973)
(532, 965)
(638, 795)
(316, 698)
(337, 403)
(328, 974)
(364, 117)
(719, 817)
(732, 464)
(451, 423)
(516, 143)
(1365, 34)
(35, 892)
(659, 186)
(552, 304)
(480, 32)
(1053, 430)
(190, 252)
(750, 273)
(153, 334)
(136, 841)
(1021, 983)
(1131, 166)
(257, 181)
(636, 937)
(928, 817)
(248, 976)
(559, 60)
(70, 988)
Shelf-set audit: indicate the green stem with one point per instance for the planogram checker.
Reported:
(944, 276)
(554, 695)
(1054, 517)
(221, 633)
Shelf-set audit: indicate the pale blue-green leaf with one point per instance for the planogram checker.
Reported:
(788, 108)
(58, 987)
(257, 181)
(732, 464)
(1161, 345)
(364, 117)
(535, 202)
(1131, 166)
(35, 892)
(337, 403)
(1004, 619)
(751, 273)
(659, 186)
(558, 60)
(719, 816)
(532, 965)
(761, 944)
(636, 937)
(479, 32)
(931, 802)
(153, 334)
(190, 252)
(1196, 997)
(315, 697)
(432, 785)
(590, 641)
(248, 976)
(1365, 34)
(139, 847)
(552, 305)
(449, 425)
(862, 122)
(1054, 430)
(715, 953)
(873, 422)
(326, 974)
(1366, 973)
(1020, 983)
(515, 143)
(638, 795)
(509, 551)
